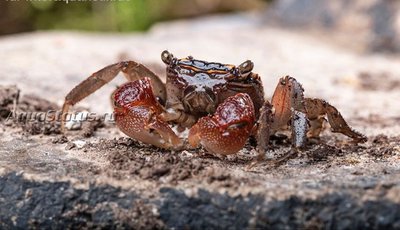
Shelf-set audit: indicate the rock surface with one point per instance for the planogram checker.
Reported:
(107, 180)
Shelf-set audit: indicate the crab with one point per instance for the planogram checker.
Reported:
(222, 105)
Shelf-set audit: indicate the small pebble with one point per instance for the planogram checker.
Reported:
(70, 146)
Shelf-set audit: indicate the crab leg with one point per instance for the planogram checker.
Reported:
(286, 108)
(317, 109)
(288, 102)
(228, 129)
(263, 128)
(137, 114)
(132, 71)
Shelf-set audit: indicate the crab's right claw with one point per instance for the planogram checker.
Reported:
(228, 129)
(137, 114)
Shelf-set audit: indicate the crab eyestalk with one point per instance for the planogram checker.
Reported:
(167, 57)
(227, 131)
(137, 114)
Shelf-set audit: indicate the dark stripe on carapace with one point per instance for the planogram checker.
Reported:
(203, 66)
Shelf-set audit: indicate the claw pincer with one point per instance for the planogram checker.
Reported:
(228, 129)
(137, 114)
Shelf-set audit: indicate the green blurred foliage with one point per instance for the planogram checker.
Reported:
(100, 16)
(111, 15)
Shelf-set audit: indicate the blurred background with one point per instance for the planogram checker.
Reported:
(371, 25)
(120, 15)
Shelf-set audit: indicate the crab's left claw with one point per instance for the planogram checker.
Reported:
(137, 114)
(228, 129)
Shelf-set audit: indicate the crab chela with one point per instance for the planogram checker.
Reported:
(222, 105)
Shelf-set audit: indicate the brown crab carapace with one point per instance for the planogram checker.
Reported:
(222, 105)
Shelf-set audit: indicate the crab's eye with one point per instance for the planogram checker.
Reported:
(246, 67)
(167, 57)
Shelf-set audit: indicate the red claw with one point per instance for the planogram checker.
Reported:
(228, 129)
(137, 115)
